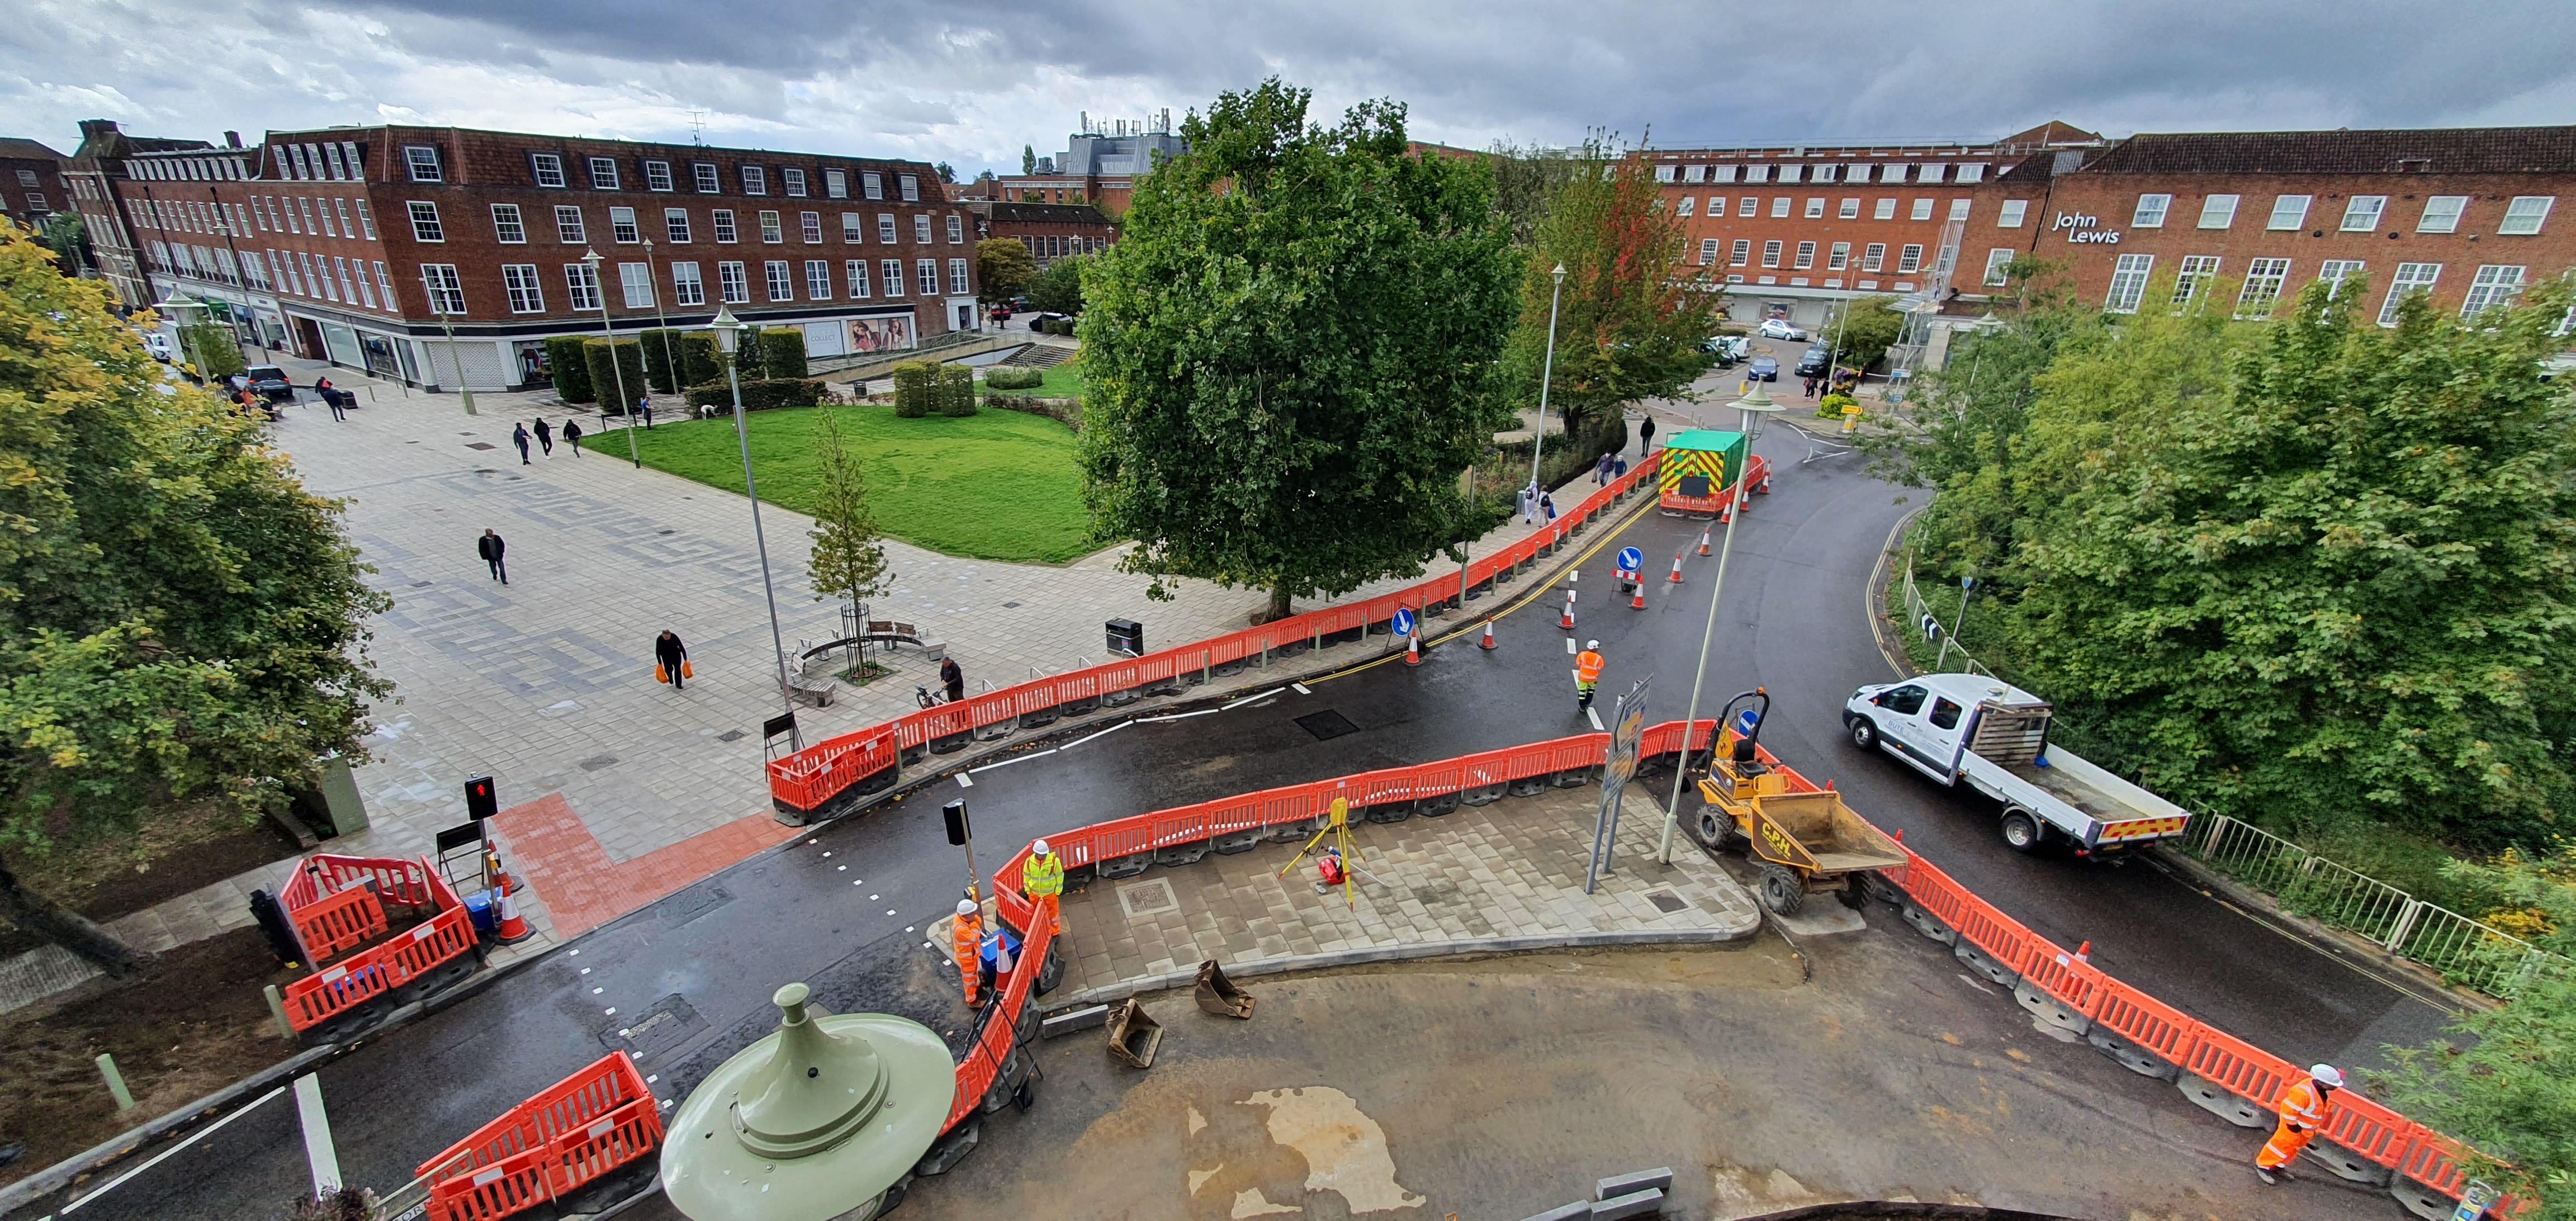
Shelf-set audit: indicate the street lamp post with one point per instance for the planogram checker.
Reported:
(662, 322)
(617, 374)
(1547, 373)
(1756, 407)
(455, 361)
(729, 336)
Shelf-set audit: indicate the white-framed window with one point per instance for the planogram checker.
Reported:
(1685, 208)
(2411, 278)
(733, 283)
(2150, 213)
(1848, 209)
(446, 291)
(2361, 213)
(1997, 260)
(1709, 250)
(910, 185)
(957, 276)
(2129, 282)
(1892, 172)
(687, 288)
(722, 220)
(1667, 173)
(1748, 207)
(1922, 210)
(836, 184)
(2525, 214)
(1721, 173)
(892, 272)
(622, 228)
(1695, 173)
(1884, 209)
(885, 229)
(657, 175)
(635, 280)
(2011, 215)
(956, 230)
(1931, 173)
(1974, 171)
(818, 279)
(1815, 209)
(1717, 205)
(366, 221)
(568, 225)
(338, 169)
(1838, 256)
(2262, 290)
(1771, 253)
(755, 180)
(782, 282)
(1740, 253)
(1806, 257)
(1909, 258)
(583, 287)
(1757, 173)
(794, 180)
(1856, 173)
(1791, 173)
(921, 230)
(2218, 211)
(856, 271)
(1823, 173)
(548, 168)
(2442, 214)
(704, 175)
(1959, 209)
(810, 227)
(770, 231)
(422, 162)
(871, 184)
(2288, 212)
(675, 222)
(927, 271)
(2494, 285)
(348, 291)
(603, 173)
(424, 222)
(2333, 272)
(2197, 271)
(1873, 256)
(507, 227)
(343, 231)
(527, 294)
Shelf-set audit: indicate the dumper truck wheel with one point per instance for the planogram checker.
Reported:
(1715, 831)
(1782, 892)
(1855, 892)
(2021, 831)
(1864, 734)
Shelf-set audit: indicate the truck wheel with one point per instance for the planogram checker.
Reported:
(1864, 732)
(1715, 831)
(2021, 831)
(1855, 892)
(1782, 892)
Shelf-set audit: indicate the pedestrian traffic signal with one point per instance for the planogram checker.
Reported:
(955, 812)
(478, 798)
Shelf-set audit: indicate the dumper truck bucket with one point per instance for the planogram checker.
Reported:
(1133, 1037)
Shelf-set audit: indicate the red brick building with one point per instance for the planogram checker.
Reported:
(31, 181)
(90, 178)
(369, 246)
(1050, 231)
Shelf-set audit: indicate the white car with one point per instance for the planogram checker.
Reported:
(158, 345)
(1779, 328)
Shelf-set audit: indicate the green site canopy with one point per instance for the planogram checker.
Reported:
(1700, 463)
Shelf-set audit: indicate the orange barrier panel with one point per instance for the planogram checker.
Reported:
(395, 880)
(1758, 471)
(388, 965)
(575, 1131)
(340, 923)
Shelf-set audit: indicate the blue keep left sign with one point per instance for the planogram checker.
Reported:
(1631, 559)
(1403, 622)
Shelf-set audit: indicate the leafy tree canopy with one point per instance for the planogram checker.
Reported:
(1290, 351)
(1869, 327)
(1058, 287)
(1005, 269)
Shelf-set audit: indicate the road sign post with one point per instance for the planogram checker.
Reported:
(1627, 736)
(1402, 623)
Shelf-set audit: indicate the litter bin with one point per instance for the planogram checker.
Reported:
(1126, 638)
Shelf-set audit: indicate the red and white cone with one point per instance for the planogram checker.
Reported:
(1677, 568)
(1638, 602)
(1413, 650)
(1567, 622)
(1703, 541)
(514, 927)
(1488, 642)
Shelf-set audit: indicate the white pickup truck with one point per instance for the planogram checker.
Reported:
(1993, 737)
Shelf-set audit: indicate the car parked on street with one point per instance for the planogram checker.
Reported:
(270, 383)
(1818, 361)
(1779, 328)
(157, 345)
(1763, 369)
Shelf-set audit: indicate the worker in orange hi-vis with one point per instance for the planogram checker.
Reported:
(966, 937)
(1042, 880)
(2304, 1108)
(1587, 673)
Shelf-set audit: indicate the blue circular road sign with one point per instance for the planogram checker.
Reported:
(1403, 622)
(1631, 559)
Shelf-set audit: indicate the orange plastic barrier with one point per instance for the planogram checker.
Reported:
(387, 965)
(339, 923)
(810, 779)
(577, 1130)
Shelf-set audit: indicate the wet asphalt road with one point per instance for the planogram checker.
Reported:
(846, 900)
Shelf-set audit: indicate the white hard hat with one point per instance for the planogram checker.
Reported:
(1039, 848)
(966, 907)
(1591, 644)
(2326, 1075)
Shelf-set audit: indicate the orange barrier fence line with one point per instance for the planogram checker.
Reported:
(387, 965)
(574, 1131)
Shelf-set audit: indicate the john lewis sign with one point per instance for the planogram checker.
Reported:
(2081, 228)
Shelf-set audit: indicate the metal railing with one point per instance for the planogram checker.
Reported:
(1920, 620)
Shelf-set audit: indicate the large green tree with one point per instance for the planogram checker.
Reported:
(1290, 351)
(1058, 287)
(2297, 571)
(178, 618)
(1003, 269)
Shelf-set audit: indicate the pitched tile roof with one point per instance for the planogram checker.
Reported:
(32, 150)
(2437, 150)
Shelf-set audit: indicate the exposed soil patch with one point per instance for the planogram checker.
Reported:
(194, 1025)
(170, 855)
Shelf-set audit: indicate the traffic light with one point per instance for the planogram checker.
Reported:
(479, 802)
(955, 812)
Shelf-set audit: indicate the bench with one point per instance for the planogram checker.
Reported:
(810, 690)
(886, 632)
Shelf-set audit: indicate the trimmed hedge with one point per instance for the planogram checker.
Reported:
(762, 395)
(782, 353)
(570, 365)
(700, 360)
(916, 389)
(612, 364)
(1013, 377)
(661, 352)
(1061, 411)
(956, 390)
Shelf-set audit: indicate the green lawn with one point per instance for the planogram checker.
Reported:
(997, 485)
(1064, 381)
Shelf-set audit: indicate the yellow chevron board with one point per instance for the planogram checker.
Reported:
(1706, 453)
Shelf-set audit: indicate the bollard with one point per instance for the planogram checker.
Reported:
(277, 1009)
(115, 1082)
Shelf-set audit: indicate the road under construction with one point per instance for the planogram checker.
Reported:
(865, 888)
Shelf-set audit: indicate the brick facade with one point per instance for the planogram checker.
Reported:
(31, 181)
(1050, 231)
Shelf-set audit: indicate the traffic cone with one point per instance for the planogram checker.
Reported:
(1568, 621)
(1677, 568)
(514, 927)
(1703, 541)
(1489, 635)
(1638, 602)
(1413, 650)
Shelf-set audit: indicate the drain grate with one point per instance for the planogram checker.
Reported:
(1326, 725)
(596, 762)
(663, 1029)
(666, 531)
(1667, 902)
(481, 445)
(421, 584)
(1153, 898)
(730, 735)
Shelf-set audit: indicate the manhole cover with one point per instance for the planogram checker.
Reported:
(692, 903)
(596, 762)
(481, 445)
(1326, 725)
(730, 735)
(1153, 898)
(660, 1029)
(1666, 901)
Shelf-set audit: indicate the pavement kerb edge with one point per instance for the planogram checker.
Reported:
(1874, 600)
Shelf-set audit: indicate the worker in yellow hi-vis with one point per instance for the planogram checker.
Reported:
(1042, 880)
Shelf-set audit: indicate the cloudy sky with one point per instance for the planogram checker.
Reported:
(971, 81)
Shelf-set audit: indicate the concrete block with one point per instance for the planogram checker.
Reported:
(2132, 1057)
(2346, 1164)
(1660, 1179)
(2423, 1201)
(1984, 964)
(1645, 1203)
(1577, 1211)
(2214, 1098)
(1073, 1020)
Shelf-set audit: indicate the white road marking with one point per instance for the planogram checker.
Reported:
(1300, 688)
(1247, 699)
(1022, 759)
(208, 1130)
(1569, 646)
(1112, 729)
(1177, 716)
(1595, 715)
(964, 781)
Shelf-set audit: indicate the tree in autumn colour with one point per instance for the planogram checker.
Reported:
(1290, 351)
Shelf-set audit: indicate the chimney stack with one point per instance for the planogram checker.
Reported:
(232, 139)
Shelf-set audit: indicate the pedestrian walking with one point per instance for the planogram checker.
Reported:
(1618, 467)
(1587, 674)
(572, 435)
(966, 941)
(952, 678)
(1811, 387)
(1601, 470)
(1548, 503)
(1042, 880)
(1529, 505)
(545, 436)
(490, 548)
(644, 405)
(519, 437)
(1646, 437)
(670, 659)
(2304, 1108)
(331, 399)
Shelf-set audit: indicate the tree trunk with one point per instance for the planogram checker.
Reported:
(1279, 608)
(68, 929)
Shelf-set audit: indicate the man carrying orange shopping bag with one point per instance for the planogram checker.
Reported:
(1042, 880)
(2304, 1108)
